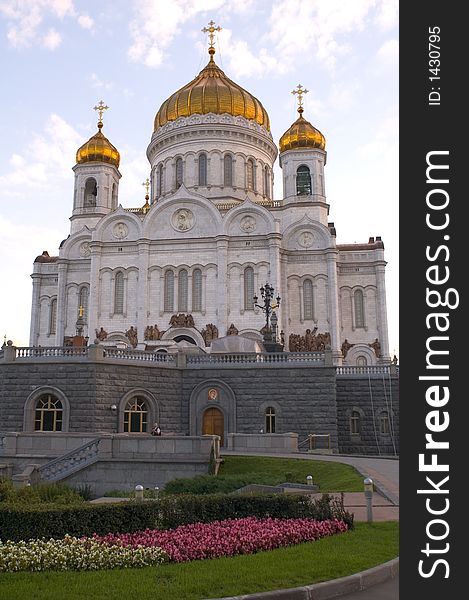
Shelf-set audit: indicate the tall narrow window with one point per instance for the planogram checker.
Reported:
(355, 423)
(114, 195)
(53, 316)
(135, 416)
(178, 173)
(91, 192)
(202, 169)
(266, 182)
(197, 290)
(48, 414)
(359, 308)
(248, 288)
(303, 181)
(270, 420)
(182, 291)
(307, 299)
(250, 175)
(119, 293)
(384, 427)
(228, 170)
(159, 181)
(83, 301)
(168, 291)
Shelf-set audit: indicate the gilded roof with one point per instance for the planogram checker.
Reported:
(212, 92)
(302, 135)
(98, 149)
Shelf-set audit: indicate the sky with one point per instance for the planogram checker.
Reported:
(59, 58)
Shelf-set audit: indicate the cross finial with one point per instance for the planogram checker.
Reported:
(300, 91)
(211, 34)
(80, 311)
(100, 107)
(146, 184)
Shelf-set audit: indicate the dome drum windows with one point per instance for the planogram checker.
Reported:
(159, 181)
(203, 169)
(228, 170)
(250, 175)
(179, 173)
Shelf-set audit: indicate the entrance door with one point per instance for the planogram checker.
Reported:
(213, 423)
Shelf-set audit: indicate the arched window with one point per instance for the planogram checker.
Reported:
(228, 170)
(266, 182)
(53, 316)
(250, 180)
(384, 427)
(359, 308)
(202, 169)
(248, 288)
(197, 290)
(307, 299)
(119, 293)
(182, 291)
(169, 291)
(303, 181)
(48, 414)
(91, 191)
(361, 361)
(135, 416)
(159, 181)
(83, 301)
(178, 173)
(114, 195)
(355, 423)
(270, 419)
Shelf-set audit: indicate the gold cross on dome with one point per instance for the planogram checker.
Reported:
(80, 311)
(211, 31)
(100, 107)
(146, 184)
(300, 91)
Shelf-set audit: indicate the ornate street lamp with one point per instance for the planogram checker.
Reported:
(270, 304)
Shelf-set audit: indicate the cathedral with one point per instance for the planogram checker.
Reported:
(183, 270)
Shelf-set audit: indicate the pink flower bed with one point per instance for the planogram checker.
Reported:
(227, 538)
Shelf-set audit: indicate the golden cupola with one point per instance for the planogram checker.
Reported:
(212, 92)
(301, 134)
(98, 148)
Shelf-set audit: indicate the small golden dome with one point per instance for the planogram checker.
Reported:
(98, 149)
(212, 92)
(302, 135)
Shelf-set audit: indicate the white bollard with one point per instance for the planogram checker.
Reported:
(368, 485)
(139, 493)
(309, 479)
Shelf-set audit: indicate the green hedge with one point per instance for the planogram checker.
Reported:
(19, 523)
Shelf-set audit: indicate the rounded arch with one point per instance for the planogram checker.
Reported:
(103, 231)
(151, 403)
(322, 235)
(200, 401)
(175, 332)
(249, 207)
(357, 351)
(30, 406)
(71, 247)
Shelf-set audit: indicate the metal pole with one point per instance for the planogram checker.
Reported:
(368, 485)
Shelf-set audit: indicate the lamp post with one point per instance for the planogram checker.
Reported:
(270, 328)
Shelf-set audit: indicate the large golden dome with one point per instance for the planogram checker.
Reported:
(212, 92)
(302, 135)
(98, 149)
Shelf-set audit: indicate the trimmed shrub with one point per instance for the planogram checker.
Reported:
(24, 523)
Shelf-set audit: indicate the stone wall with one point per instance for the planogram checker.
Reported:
(369, 397)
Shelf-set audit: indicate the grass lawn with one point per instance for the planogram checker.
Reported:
(328, 558)
(330, 476)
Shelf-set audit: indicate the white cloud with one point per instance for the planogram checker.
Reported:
(85, 21)
(96, 82)
(388, 54)
(52, 39)
(242, 61)
(26, 17)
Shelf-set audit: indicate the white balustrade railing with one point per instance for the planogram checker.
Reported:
(264, 358)
(51, 351)
(139, 355)
(365, 370)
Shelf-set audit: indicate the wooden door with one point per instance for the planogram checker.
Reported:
(213, 423)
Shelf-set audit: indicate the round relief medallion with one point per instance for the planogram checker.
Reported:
(248, 223)
(120, 231)
(183, 219)
(306, 239)
(85, 249)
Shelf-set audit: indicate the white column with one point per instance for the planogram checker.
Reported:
(333, 303)
(93, 299)
(61, 304)
(274, 259)
(222, 291)
(35, 309)
(142, 288)
(382, 319)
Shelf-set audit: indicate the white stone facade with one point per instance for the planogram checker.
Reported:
(209, 229)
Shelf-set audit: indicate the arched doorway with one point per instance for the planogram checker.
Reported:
(214, 423)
